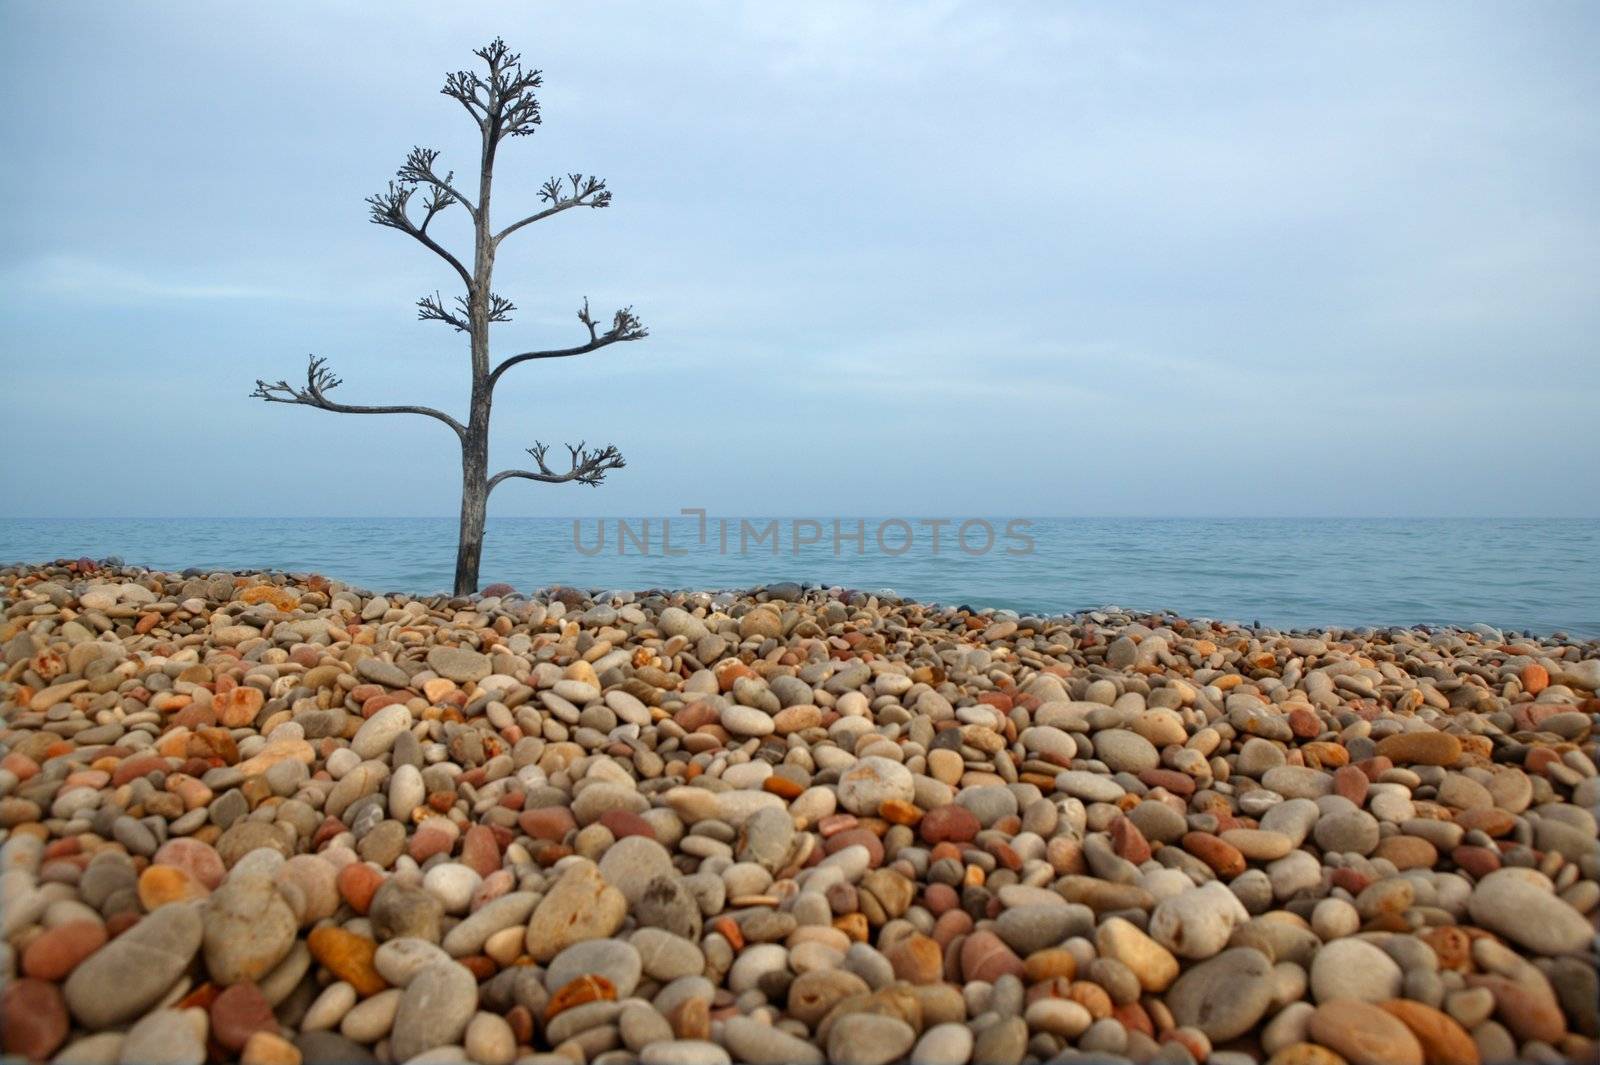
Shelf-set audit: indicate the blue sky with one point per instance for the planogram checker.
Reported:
(1131, 259)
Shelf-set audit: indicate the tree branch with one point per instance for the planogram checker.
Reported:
(587, 191)
(502, 104)
(432, 309)
(418, 170)
(625, 326)
(588, 466)
(320, 381)
(389, 209)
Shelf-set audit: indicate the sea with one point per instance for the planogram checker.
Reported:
(1523, 575)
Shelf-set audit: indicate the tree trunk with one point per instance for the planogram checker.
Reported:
(475, 442)
(474, 507)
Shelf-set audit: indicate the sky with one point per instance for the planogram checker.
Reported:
(933, 258)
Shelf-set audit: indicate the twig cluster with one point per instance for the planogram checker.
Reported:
(319, 380)
(502, 104)
(432, 309)
(587, 465)
(587, 191)
(625, 325)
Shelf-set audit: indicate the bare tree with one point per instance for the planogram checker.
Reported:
(503, 104)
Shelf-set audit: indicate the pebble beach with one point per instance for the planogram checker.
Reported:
(276, 819)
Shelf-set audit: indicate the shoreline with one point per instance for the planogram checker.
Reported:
(790, 591)
(300, 822)
(1291, 574)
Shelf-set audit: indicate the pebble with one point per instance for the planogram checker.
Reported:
(237, 1013)
(1002, 1043)
(869, 1039)
(1151, 963)
(944, 1044)
(754, 1043)
(490, 1039)
(33, 1019)
(1363, 1034)
(399, 960)
(684, 1052)
(665, 957)
(1125, 752)
(641, 1025)
(460, 664)
(1197, 923)
(1442, 1038)
(61, 949)
(378, 733)
(249, 929)
(871, 782)
(434, 1010)
(1224, 996)
(580, 906)
(348, 956)
(616, 961)
(496, 915)
(1354, 969)
(1525, 911)
(170, 1037)
(122, 980)
(802, 824)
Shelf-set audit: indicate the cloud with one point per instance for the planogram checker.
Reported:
(84, 278)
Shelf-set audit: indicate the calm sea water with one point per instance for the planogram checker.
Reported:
(1533, 574)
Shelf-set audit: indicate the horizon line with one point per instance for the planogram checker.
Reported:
(709, 516)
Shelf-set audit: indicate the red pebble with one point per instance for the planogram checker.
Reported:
(200, 860)
(1178, 783)
(951, 923)
(940, 898)
(329, 828)
(836, 823)
(1006, 855)
(550, 823)
(33, 1019)
(479, 850)
(1477, 861)
(133, 768)
(1539, 759)
(999, 700)
(1304, 724)
(984, 957)
(1352, 783)
(1129, 842)
(430, 841)
(521, 1020)
(864, 837)
(949, 824)
(624, 823)
(1224, 858)
(240, 1011)
(58, 951)
(1375, 767)
(357, 883)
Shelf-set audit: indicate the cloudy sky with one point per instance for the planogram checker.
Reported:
(1117, 259)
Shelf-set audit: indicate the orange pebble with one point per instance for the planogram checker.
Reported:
(349, 957)
(357, 883)
(853, 925)
(585, 989)
(782, 786)
(1049, 964)
(161, 884)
